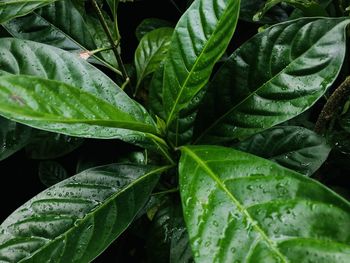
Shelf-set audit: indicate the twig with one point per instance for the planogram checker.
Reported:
(110, 39)
(331, 106)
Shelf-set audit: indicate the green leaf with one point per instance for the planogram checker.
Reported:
(100, 38)
(58, 107)
(199, 40)
(308, 7)
(155, 100)
(242, 208)
(51, 172)
(14, 8)
(75, 220)
(58, 13)
(30, 58)
(151, 51)
(168, 239)
(296, 148)
(149, 24)
(47, 145)
(273, 77)
(250, 7)
(13, 137)
(48, 25)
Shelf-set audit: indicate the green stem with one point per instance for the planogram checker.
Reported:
(110, 39)
(332, 105)
(174, 190)
(163, 147)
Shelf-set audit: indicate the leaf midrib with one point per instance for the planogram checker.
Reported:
(264, 84)
(78, 222)
(163, 43)
(224, 15)
(241, 208)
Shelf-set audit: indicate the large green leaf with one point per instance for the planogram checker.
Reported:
(59, 107)
(29, 58)
(151, 51)
(13, 137)
(200, 38)
(48, 25)
(296, 148)
(14, 8)
(242, 208)
(273, 77)
(75, 220)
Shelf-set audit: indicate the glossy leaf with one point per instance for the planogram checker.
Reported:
(304, 57)
(239, 207)
(47, 145)
(155, 103)
(13, 137)
(60, 12)
(151, 51)
(30, 58)
(296, 148)
(250, 7)
(199, 40)
(48, 25)
(75, 220)
(14, 8)
(59, 107)
(149, 24)
(308, 7)
(51, 172)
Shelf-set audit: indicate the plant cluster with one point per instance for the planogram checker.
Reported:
(238, 157)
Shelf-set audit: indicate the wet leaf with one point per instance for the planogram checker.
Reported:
(304, 57)
(293, 147)
(75, 220)
(239, 207)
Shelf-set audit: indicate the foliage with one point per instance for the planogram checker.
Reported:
(224, 155)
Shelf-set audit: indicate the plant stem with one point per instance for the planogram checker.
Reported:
(174, 190)
(331, 106)
(110, 39)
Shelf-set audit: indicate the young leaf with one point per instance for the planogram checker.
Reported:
(14, 8)
(149, 24)
(296, 148)
(200, 38)
(239, 207)
(13, 137)
(151, 51)
(75, 220)
(47, 145)
(273, 77)
(58, 107)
